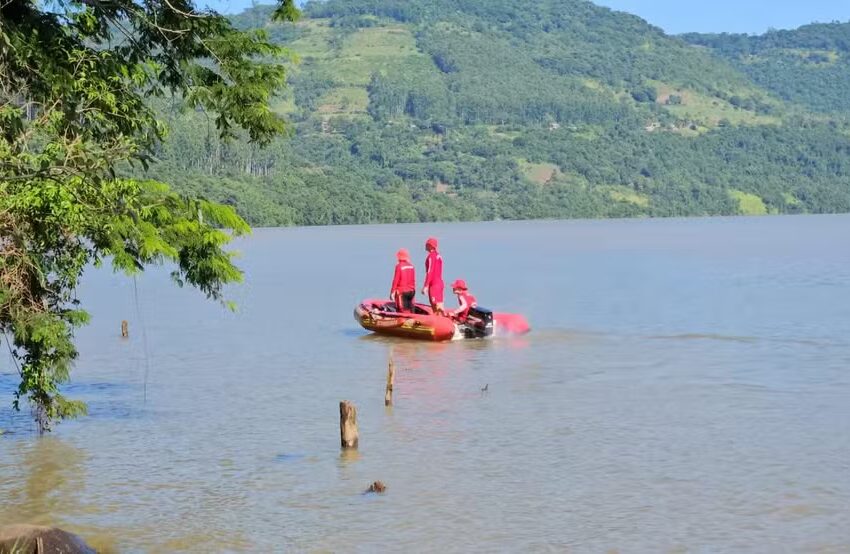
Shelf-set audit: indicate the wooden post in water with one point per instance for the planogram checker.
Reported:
(349, 436)
(388, 396)
(125, 330)
(377, 487)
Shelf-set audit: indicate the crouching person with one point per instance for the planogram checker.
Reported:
(465, 300)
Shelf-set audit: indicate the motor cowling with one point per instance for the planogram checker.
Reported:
(479, 323)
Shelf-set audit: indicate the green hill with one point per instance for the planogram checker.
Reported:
(809, 65)
(419, 110)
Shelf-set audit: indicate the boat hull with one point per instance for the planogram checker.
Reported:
(379, 316)
(382, 317)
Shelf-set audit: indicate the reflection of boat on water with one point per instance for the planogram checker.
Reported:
(383, 317)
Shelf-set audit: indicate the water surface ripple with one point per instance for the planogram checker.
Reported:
(686, 387)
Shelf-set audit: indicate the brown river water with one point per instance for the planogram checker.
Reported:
(685, 388)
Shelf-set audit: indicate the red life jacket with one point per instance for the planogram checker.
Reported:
(466, 301)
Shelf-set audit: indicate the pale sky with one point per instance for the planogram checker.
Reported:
(733, 16)
(682, 16)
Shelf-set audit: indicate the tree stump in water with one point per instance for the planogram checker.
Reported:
(349, 436)
(125, 330)
(388, 396)
(35, 539)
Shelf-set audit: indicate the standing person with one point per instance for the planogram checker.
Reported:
(403, 289)
(433, 286)
(464, 299)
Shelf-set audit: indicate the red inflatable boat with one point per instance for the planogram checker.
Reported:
(383, 317)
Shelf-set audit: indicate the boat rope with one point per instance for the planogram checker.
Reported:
(144, 338)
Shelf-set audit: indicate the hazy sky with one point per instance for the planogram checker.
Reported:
(681, 16)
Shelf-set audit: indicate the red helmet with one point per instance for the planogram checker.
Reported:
(403, 255)
(431, 243)
(459, 284)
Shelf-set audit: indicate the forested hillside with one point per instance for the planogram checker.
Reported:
(809, 65)
(419, 110)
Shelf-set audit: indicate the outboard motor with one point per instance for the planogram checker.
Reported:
(479, 323)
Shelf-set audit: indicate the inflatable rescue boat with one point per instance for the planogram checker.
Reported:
(383, 317)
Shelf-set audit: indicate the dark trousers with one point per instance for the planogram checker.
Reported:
(406, 300)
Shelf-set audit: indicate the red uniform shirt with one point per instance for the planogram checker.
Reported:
(404, 279)
(433, 269)
(434, 278)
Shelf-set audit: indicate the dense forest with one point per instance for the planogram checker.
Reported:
(422, 110)
(809, 66)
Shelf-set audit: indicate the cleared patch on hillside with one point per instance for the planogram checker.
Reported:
(540, 173)
(382, 41)
(352, 57)
(315, 40)
(503, 132)
(586, 132)
(818, 57)
(597, 86)
(749, 204)
(814, 57)
(344, 100)
(625, 194)
(790, 199)
(370, 50)
(707, 111)
(442, 188)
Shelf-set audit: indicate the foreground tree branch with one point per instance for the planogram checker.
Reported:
(72, 115)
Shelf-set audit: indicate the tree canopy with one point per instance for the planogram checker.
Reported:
(76, 83)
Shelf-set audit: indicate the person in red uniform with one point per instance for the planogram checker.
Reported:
(464, 299)
(403, 289)
(433, 286)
